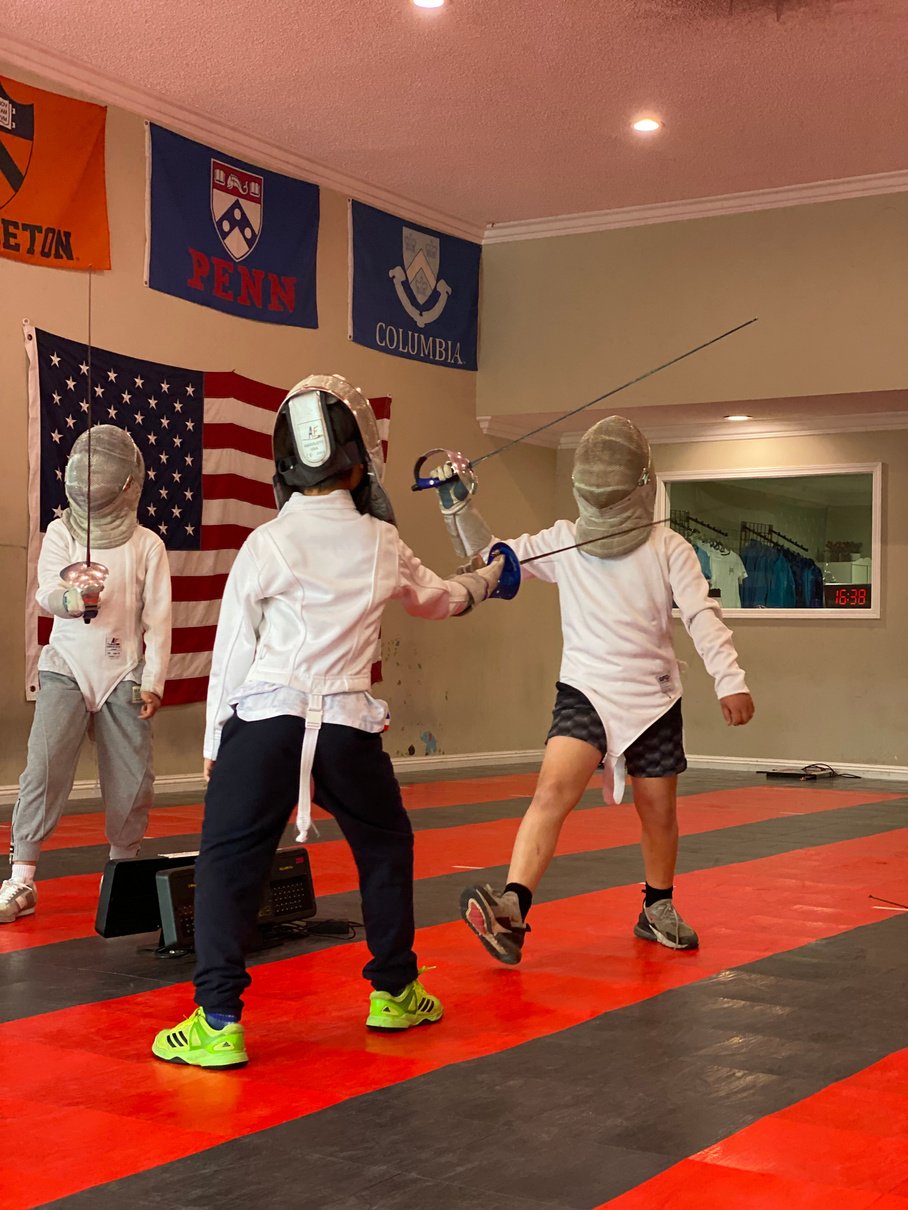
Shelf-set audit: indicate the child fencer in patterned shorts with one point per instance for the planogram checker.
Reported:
(618, 700)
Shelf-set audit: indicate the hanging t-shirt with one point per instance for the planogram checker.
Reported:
(704, 557)
(728, 574)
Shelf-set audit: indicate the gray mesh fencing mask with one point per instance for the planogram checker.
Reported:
(117, 476)
(614, 487)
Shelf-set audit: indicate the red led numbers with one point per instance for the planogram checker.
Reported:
(847, 596)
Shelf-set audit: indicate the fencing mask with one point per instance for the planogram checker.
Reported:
(117, 476)
(614, 487)
(324, 428)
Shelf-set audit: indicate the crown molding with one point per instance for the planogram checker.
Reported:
(60, 69)
(701, 207)
(508, 428)
(755, 431)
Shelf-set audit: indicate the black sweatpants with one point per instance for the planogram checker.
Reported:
(253, 788)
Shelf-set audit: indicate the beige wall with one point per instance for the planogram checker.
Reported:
(473, 682)
(568, 317)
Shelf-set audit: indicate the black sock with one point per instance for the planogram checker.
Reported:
(524, 896)
(653, 894)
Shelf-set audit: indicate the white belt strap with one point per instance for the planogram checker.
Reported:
(307, 759)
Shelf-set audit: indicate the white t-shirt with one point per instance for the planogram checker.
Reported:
(728, 574)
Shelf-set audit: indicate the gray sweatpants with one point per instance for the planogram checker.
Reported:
(124, 766)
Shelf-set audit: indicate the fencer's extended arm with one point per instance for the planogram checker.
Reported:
(156, 618)
(426, 595)
(52, 594)
(702, 620)
(466, 526)
(234, 644)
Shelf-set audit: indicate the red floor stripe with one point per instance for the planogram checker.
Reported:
(111, 1110)
(67, 905)
(842, 1149)
(75, 831)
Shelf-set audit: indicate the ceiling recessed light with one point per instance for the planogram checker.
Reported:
(647, 125)
(741, 417)
(429, 3)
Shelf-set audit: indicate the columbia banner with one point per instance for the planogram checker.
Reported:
(229, 235)
(414, 292)
(53, 203)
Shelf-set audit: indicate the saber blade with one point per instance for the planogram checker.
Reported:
(614, 391)
(589, 541)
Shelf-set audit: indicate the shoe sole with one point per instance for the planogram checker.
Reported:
(646, 935)
(211, 1066)
(477, 917)
(386, 1027)
(18, 916)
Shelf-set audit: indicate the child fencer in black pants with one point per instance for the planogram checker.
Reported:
(289, 699)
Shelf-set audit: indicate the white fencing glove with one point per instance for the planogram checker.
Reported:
(465, 525)
(480, 584)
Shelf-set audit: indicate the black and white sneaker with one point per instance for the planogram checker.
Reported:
(496, 920)
(661, 922)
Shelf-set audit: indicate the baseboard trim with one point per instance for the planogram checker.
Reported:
(754, 764)
(192, 784)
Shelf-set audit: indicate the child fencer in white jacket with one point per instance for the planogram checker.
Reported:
(289, 699)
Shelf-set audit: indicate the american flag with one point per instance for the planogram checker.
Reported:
(206, 441)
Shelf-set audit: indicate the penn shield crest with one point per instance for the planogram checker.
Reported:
(237, 206)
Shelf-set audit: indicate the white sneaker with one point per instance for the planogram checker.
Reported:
(16, 899)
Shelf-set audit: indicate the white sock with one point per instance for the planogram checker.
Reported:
(24, 872)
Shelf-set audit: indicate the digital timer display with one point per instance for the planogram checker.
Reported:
(846, 596)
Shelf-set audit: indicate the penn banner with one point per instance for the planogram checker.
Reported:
(414, 292)
(230, 235)
(53, 199)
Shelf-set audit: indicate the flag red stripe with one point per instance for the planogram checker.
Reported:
(247, 390)
(186, 691)
(228, 436)
(198, 588)
(192, 638)
(44, 625)
(237, 487)
(224, 537)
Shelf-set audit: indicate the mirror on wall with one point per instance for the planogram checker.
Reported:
(783, 542)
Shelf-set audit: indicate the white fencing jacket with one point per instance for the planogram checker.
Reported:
(134, 611)
(616, 620)
(303, 605)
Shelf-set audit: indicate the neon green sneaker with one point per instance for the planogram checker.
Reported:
(413, 1006)
(194, 1042)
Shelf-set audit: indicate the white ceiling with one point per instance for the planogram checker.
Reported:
(496, 112)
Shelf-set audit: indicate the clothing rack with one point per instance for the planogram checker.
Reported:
(764, 532)
(685, 521)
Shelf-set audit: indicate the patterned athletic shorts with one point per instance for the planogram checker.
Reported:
(658, 752)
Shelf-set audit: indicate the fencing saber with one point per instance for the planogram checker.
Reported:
(464, 466)
(87, 576)
(509, 584)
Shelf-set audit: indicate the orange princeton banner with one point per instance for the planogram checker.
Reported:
(53, 200)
